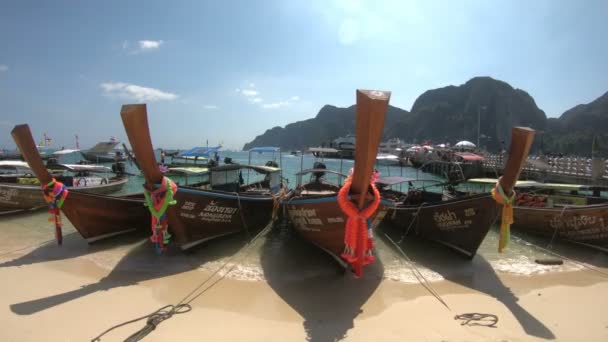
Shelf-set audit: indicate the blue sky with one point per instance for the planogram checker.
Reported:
(228, 70)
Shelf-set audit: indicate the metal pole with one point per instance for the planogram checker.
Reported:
(478, 124)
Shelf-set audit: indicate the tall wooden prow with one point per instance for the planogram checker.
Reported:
(135, 119)
(25, 142)
(521, 141)
(371, 111)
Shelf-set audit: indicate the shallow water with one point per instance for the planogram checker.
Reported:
(27, 238)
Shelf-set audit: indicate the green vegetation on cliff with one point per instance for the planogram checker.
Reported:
(453, 113)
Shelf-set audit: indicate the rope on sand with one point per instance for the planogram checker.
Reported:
(183, 306)
(478, 317)
(467, 317)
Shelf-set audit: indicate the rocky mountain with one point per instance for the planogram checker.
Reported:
(574, 131)
(330, 123)
(453, 113)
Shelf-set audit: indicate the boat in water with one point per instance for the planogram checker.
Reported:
(570, 212)
(103, 152)
(226, 205)
(94, 215)
(459, 222)
(20, 189)
(315, 210)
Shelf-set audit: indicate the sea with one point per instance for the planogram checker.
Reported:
(28, 238)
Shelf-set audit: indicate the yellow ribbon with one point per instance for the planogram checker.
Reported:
(499, 196)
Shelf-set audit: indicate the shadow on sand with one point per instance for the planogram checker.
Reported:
(141, 263)
(73, 246)
(570, 250)
(476, 274)
(314, 285)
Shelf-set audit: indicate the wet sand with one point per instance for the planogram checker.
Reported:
(283, 290)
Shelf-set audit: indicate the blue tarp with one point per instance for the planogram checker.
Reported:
(199, 151)
(265, 149)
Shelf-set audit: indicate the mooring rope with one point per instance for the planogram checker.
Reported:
(478, 317)
(548, 251)
(467, 317)
(561, 215)
(416, 215)
(183, 306)
(241, 214)
(424, 282)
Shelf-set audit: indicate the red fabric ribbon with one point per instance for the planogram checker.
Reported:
(358, 240)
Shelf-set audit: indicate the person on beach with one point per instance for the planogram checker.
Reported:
(162, 157)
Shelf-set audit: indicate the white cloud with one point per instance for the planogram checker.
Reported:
(3, 68)
(141, 46)
(147, 45)
(275, 105)
(253, 97)
(249, 92)
(210, 106)
(135, 92)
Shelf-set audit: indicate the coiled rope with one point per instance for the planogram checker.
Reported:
(467, 317)
(155, 318)
(486, 320)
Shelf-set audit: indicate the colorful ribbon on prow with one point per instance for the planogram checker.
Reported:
(358, 227)
(157, 202)
(55, 194)
(507, 215)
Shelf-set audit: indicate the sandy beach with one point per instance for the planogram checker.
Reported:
(76, 291)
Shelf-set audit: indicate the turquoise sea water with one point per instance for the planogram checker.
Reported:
(434, 261)
(519, 257)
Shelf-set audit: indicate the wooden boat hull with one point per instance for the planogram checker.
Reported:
(202, 215)
(586, 224)
(460, 224)
(16, 197)
(98, 217)
(319, 220)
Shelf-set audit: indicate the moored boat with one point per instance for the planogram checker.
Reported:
(226, 205)
(459, 223)
(315, 209)
(20, 189)
(575, 213)
(103, 152)
(94, 215)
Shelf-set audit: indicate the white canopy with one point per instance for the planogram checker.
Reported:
(65, 151)
(464, 143)
(13, 163)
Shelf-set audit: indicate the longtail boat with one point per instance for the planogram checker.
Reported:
(20, 189)
(571, 212)
(94, 216)
(460, 223)
(315, 209)
(227, 205)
